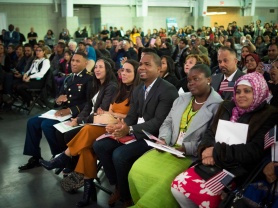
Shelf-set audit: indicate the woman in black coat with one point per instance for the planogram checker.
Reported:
(248, 107)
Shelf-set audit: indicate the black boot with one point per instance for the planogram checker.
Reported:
(58, 162)
(89, 192)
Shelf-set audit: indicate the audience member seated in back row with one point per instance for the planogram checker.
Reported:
(90, 51)
(64, 70)
(245, 50)
(272, 54)
(189, 118)
(58, 56)
(190, 61)
(252, 63)
(273, 84)
(81, 144)
(248, 107)
(122, 50)
(34, 78)
(4, 59)
(14, 76)
(150, 103)
(167, 71)
(223, 82)
(73, 96)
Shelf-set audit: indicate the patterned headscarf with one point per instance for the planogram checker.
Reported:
(260, 93)
(256, 58)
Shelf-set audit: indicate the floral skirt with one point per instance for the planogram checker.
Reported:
(193, 187)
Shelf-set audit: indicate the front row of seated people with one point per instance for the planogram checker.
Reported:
(81, 143)
(186, 127)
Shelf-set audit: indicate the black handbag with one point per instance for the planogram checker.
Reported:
(206, 171)
(234, 199)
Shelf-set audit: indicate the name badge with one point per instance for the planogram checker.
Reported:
(140, 120)
(180, 138)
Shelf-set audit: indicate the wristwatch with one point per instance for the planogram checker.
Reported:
(130, 130)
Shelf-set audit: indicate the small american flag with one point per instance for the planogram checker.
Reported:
(219, 181)
(269, 138)
(226, 86)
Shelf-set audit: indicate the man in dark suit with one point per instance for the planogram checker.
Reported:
(223, 82)
(74, 94)
(150, 104)
(11, 36)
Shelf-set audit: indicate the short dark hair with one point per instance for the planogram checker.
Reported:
(83, 43)
(273, 44)
(225, 48)
(81, 54)
(156, 58)
(148, 50)
(28, 45)
(62, 45)
(203, 68)
(184, 41)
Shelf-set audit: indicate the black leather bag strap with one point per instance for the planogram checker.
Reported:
(255, 172)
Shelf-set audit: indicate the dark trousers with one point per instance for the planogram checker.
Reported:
(21, 89)
(35, 127)
(8, 83)
(117, 159)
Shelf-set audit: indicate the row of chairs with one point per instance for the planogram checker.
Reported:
(41, 96)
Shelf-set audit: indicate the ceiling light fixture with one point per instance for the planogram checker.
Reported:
(215, 13)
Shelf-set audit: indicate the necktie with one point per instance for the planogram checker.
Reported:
(146, 92)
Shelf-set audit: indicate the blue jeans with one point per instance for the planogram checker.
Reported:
(117, 159)
(35, 127)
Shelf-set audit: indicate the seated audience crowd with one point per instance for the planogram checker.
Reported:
(178, 87)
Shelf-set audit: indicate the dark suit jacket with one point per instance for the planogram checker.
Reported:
(218, 78)
(104, 99)
(11, 40)
(78, 92)
(154, 109)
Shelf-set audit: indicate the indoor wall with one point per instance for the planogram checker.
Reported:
(24, 16)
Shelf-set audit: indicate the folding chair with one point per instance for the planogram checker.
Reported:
(40, 96)
(98, 184)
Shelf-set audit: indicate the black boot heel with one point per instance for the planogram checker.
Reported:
(89, 193)
(58, 170)
(57, 162)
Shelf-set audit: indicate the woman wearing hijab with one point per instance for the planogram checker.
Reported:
(252, 63)
(248, 107)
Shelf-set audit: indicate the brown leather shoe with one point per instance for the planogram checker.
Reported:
(114, 198)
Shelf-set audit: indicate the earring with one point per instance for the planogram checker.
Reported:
(208, 83)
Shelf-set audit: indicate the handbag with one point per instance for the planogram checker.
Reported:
(72, 182)
(206, 171)
(105, 118)
(234, 198)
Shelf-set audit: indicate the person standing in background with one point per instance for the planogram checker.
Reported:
(21, 36)
(11, 36)
(32, 37)
(49, 39)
